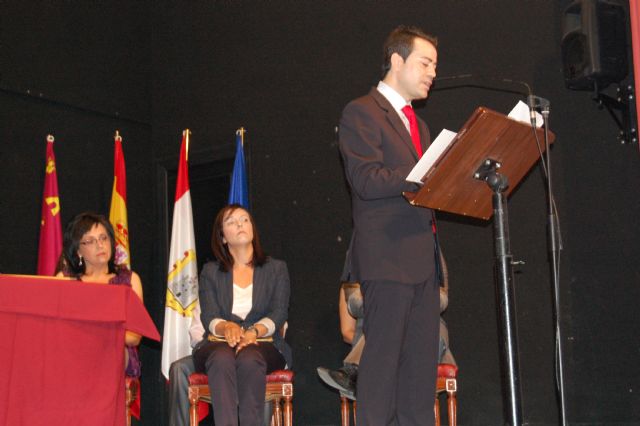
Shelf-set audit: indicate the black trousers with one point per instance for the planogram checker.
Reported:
(398, 369)
(237, 381)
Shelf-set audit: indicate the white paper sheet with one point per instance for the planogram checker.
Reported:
(429, 158)
(520, 112)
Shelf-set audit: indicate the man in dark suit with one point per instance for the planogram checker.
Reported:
(392, 249)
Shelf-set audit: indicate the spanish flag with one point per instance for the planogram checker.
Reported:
(118, 211)
(50, 228)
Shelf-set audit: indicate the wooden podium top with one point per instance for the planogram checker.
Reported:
(487, 135)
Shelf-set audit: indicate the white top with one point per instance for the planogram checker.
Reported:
(242, 300)
(242, 304)
(396, 100)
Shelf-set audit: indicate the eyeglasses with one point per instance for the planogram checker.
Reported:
(93, 242)
(242, 220)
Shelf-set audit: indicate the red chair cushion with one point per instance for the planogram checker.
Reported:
(198, 379)
(447, 370)
(274, 377)
(280, 376)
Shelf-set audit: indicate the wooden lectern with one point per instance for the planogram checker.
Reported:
(452, 185)
(474, 175)
(62, 350)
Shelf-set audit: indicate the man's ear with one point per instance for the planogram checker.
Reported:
(396, 60)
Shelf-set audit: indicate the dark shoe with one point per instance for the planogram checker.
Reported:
(344, 379)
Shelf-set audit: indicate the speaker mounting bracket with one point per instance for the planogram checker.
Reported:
(622, 109)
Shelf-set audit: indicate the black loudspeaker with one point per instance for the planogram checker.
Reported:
(594, 44)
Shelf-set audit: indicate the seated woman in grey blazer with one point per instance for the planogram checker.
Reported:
(244, 299)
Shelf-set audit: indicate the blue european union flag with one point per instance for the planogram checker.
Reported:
(239, 191)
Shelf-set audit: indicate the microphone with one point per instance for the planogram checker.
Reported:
(532, 110)
(500, 85)
(485, 82)
(482, 82)
(538, 103)
(535, 103)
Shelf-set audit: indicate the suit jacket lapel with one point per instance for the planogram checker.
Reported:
(226, 292)
(424, 137)
(258, 289)
(394, 119)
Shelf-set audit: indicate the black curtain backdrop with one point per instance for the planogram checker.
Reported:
(284, 70)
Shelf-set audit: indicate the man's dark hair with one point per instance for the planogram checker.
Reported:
(400, 41)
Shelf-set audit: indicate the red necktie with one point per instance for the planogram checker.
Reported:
(415, 137)
(413, 126)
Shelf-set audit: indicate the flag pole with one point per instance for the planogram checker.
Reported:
(186, 134)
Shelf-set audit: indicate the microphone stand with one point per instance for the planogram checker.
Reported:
(505, 290)
(555, 270)
(504, 258)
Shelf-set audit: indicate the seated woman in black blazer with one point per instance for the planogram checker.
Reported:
(244, 298)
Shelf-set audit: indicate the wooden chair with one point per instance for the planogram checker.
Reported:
(279, 391)
(446, 382)
(346, 401)
(132, 388)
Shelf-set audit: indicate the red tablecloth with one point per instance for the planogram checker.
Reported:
(61, 350)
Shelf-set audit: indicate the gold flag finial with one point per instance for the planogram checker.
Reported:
(50, 138)
(117, 136)
(241, 131)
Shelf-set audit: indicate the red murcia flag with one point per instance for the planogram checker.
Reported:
(50, 226)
